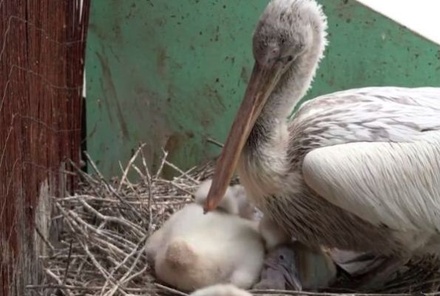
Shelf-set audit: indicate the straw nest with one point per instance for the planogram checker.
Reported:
(107, 222)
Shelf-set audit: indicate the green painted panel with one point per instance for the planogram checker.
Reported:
(368, 49)
(172, 73)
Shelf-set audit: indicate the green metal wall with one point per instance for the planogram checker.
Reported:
(172, 73)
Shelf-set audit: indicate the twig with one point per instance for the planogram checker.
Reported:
(101, 269)
(66, 272)
(144, 163)
(112, 190)
(130, 270)
(56, 278)
(130, 185)
(46, 242)
(130, 163)
(81, 173)
(171, 290)
(108, 218)
(93, 164)
(182, 173)
(215, 142)
(162, 163)
(171, 183)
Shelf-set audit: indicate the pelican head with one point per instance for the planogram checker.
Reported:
(287, 33)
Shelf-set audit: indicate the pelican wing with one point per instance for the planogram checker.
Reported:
(385, 183)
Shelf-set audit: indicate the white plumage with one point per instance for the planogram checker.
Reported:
(192, 250)
(221, 290)
(396, 184)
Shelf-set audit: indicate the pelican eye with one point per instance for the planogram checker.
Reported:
(285, 59)
(281, 257)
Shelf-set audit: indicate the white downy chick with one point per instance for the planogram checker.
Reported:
(194, 250)
(235, 201)
(221, 290)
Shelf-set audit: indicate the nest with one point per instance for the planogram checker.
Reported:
(106, 224)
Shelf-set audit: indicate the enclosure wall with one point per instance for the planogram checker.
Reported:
(172, 73)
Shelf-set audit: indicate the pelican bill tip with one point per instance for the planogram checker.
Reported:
(211, 203)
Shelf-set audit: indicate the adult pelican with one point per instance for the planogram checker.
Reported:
(354, 170)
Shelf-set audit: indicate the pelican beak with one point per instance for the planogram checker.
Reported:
(260, 86)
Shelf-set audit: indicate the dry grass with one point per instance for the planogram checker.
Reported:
(107, 223)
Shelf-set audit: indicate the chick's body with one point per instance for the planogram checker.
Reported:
(194, 250)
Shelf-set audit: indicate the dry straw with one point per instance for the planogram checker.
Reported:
(106, 225)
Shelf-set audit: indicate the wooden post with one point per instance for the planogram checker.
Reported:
(42, 46)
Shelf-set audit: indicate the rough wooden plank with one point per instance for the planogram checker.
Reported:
(42, 45)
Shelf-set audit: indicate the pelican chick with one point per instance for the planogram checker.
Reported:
(235, 201)
(294, 266)
(193, 250)
(221, 290)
